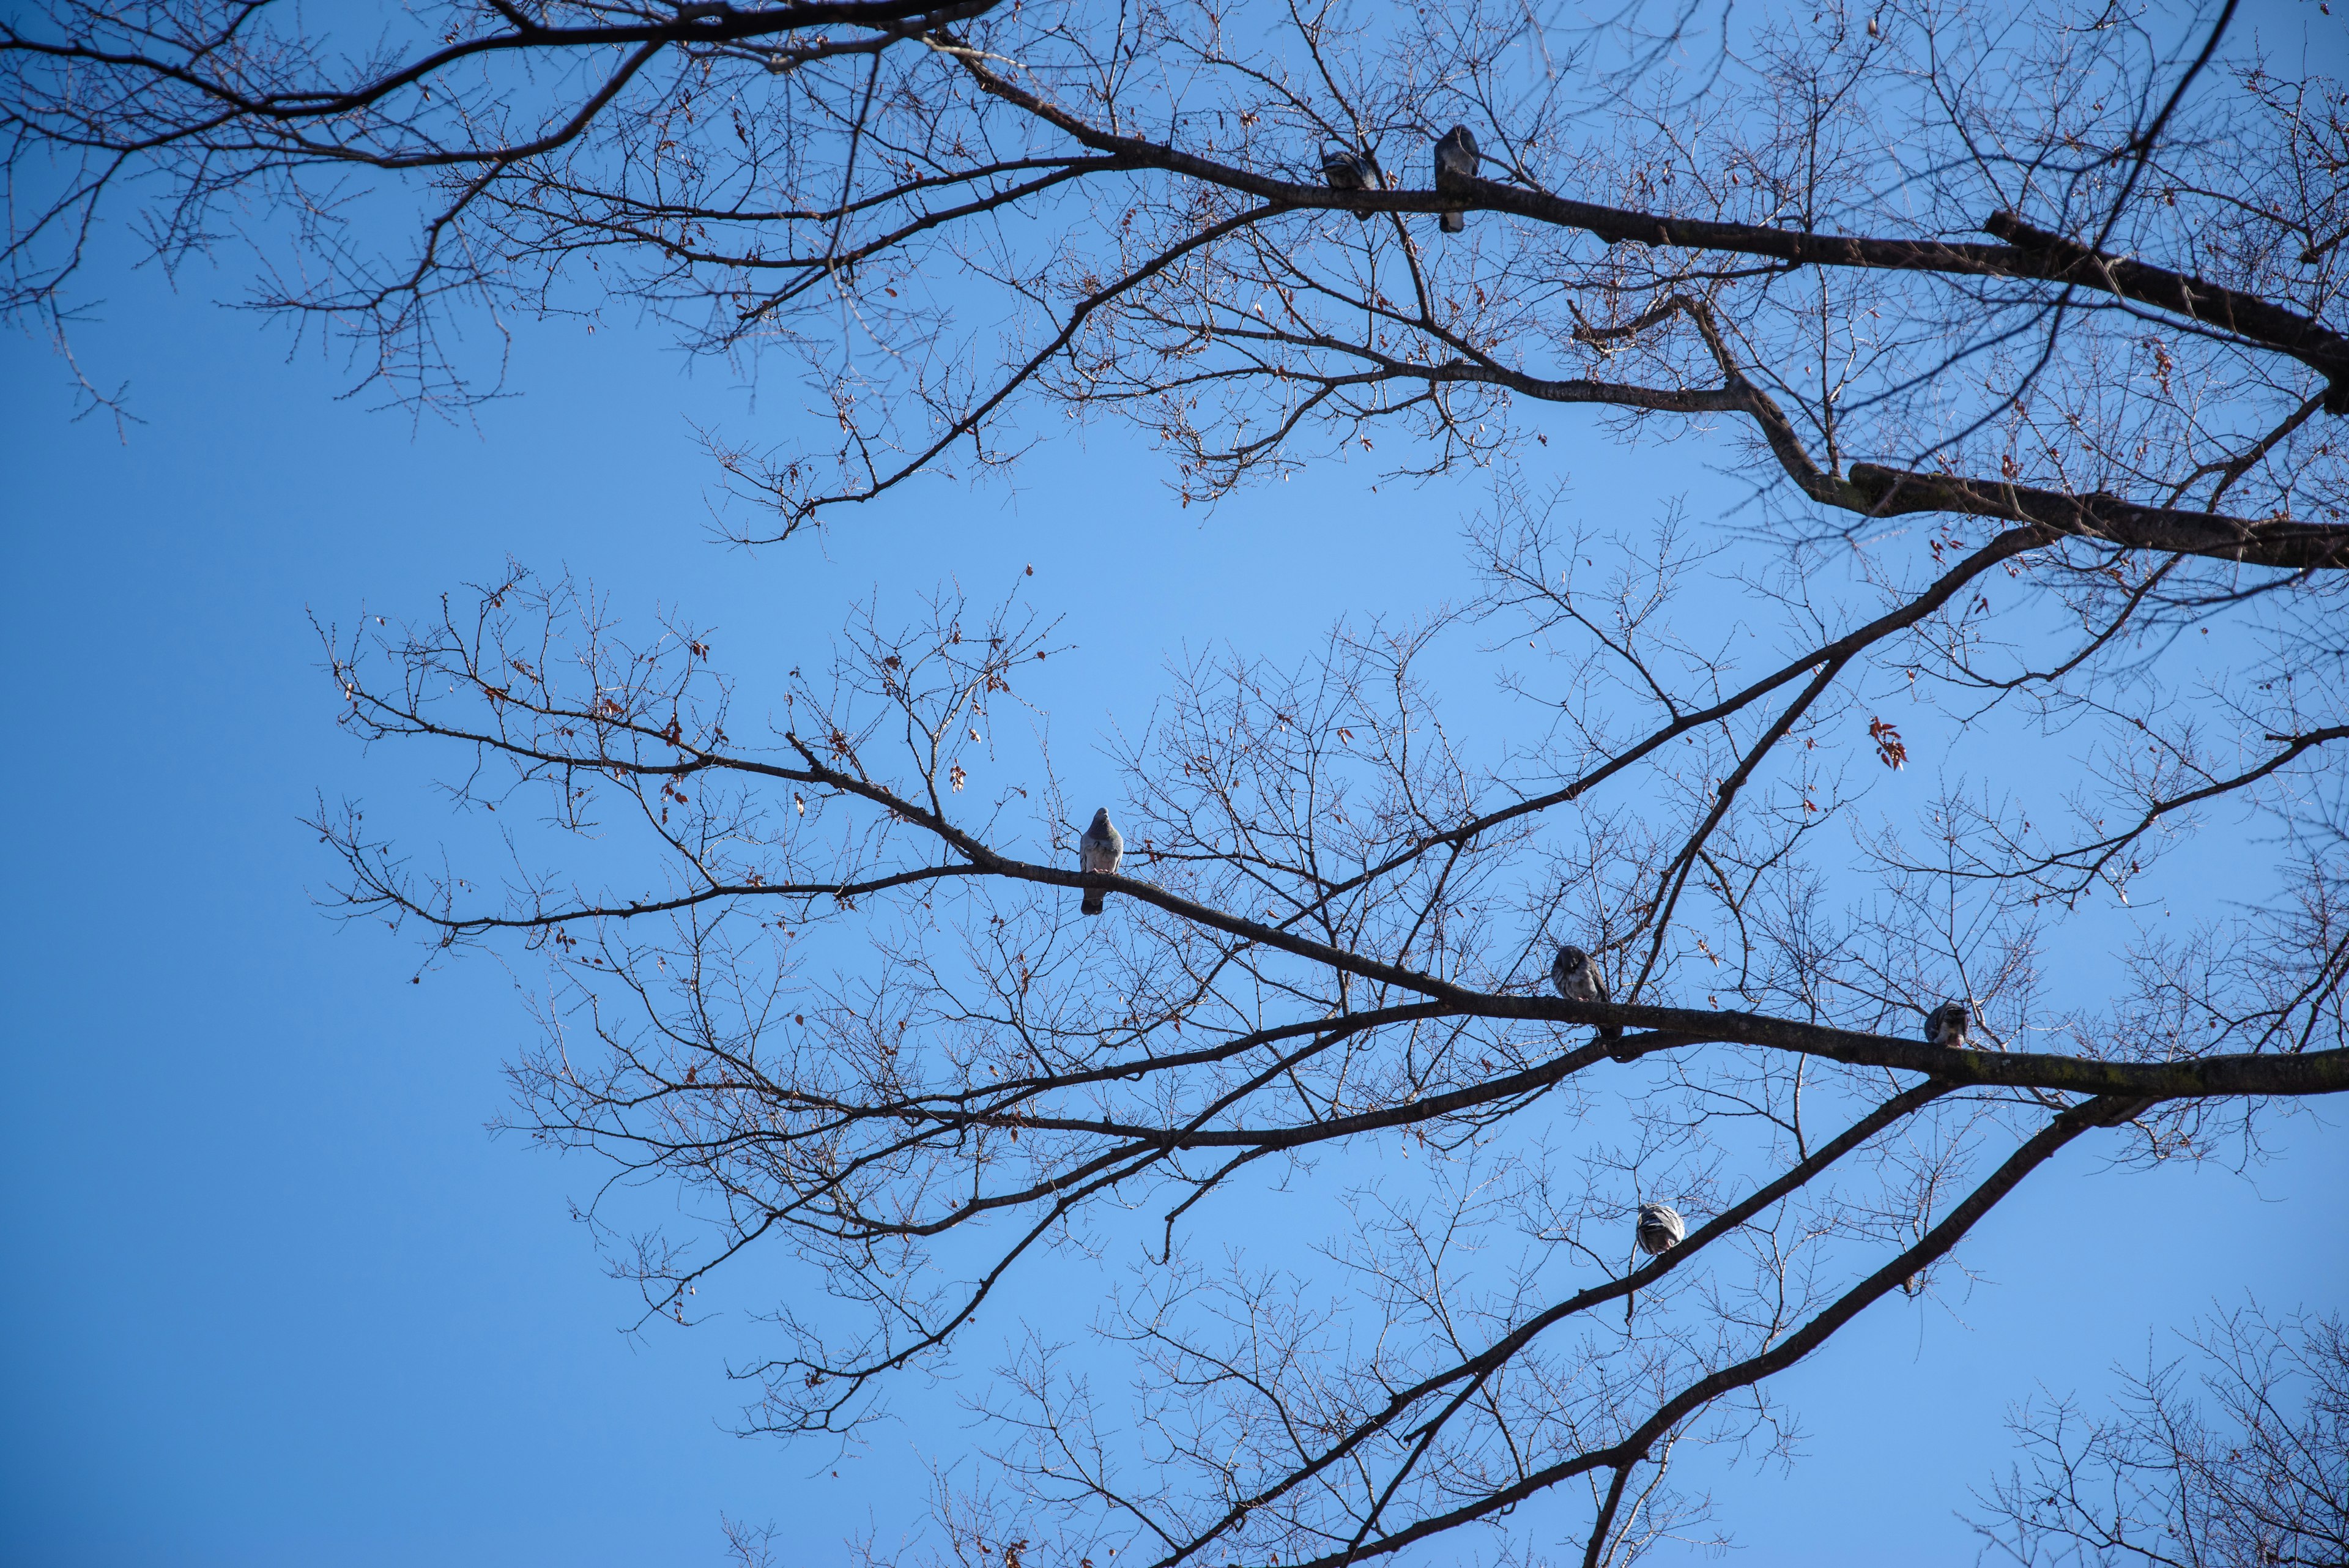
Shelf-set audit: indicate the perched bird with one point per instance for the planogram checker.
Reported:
(1342, 169)
(1947, 1025)
(1579, 980)
(1660, 1229)
(1455, 160)
(1100, 849)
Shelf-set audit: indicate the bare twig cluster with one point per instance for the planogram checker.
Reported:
(2237, 1459)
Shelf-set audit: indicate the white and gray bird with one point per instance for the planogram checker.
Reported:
(1577, 979)
(1344, 169)
(1660, 1229)
(1100, 849)
(1455, 160)
(1948, 1023)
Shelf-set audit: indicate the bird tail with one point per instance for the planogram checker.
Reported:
(1092, 904)
(1452, 222)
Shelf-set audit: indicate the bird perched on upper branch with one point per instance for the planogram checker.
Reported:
(1948, 1023)
(1455, 160)
(1344, 169)
(1100, 849)
(1579, 980)
(1660, 1229)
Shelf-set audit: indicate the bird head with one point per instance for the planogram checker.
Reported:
(1101, 821)
(1571, 958)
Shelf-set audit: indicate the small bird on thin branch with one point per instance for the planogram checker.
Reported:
(1099, 850)
(1455, 160)
(1344, 169)
(1948, 1023)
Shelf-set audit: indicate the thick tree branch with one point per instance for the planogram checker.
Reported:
(2037, 257)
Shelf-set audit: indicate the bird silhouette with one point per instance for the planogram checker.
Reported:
(1577, 979)
(1948, 1023)
(1100, 850)
(1344, 169)
(1455, 160)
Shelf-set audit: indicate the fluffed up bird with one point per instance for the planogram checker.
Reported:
(1342, 169)
(1455, 160)
(1660, 1229)
(1947, 1025)
(1576, 979)
(1100, 849)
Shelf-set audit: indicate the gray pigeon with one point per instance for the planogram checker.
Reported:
(1342, 169)
(1947, 1025)
(1100, 849)
(1660, 1229)
(1579, 980)
(1455, 160)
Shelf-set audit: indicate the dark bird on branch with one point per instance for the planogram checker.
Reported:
(1660, 1228)
(1579, 980)
(1100, 850)
(1455, 160)
(1947, 1025)
(1345, 171)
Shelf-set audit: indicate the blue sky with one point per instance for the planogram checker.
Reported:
(276, 1297)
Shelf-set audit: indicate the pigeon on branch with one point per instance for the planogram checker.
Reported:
(1577, 980)
(1947, 1025)
(1099, 850)
(1659, 1230)
(1342, 169)
(1455, 160)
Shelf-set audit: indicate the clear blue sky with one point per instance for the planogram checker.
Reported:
(275, 1297)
